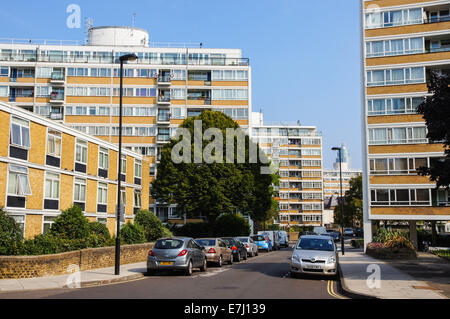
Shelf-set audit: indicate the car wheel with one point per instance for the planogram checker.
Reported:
(293, 275)
(205, 265)
(219, 263)
(257, 252)
(150, 272)
(189, 268)
(238, 258)
(245, 255)
(230, 262)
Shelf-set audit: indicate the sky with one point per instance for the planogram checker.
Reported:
(305, 55)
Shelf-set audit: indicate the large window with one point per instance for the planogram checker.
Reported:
(81, 149)
(394, 47)
(396, 76)
(400, 105)
(51, 186)
(137, 199)
(230, 94)
(400, 197)
(18, 182)
(102, 198)
(137, 168)
(103, 158)
(393, 18)
(79, 190)
(398, 135)
(398, 166)
(229, 75)
(123, 168)
(54, 143)
(20, 132)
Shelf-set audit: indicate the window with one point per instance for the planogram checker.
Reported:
(102, 198)
(79, 190)
(393, 18)
(395, 76)
(397, 135)
(123, 196)
(20, 132)
(51, 186)
(137, 199)
(81, 150)
(53, 143)
(20, 220)
(394, 105)
(47, 224)
(400, 197)
(137, 168)
(18, 182)
(123, 168)
(230, 94)
(103, 158)
(152, 170)
(4, 71)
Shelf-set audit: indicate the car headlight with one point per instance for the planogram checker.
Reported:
(331, 260)
(295, 257)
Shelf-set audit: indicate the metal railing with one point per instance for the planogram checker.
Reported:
(57, 76)
(56, 116)
(436, 19)
(55, 96)
(164, 78)
(164, 98)
(164, 118)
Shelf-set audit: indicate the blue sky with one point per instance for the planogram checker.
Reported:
(304, 54)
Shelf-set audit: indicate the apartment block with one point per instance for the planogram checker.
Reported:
(46, 167)
(296, 152)
(78, 84)
(402, 42)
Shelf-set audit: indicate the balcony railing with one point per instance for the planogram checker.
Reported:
(57, 76)
(164, 99)
(56, 116)
(164, 118)
(436, 19)
(57, 96)
(163, 138)
(164, 78)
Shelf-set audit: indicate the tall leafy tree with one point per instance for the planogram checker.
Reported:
(210, 189)
(353, 204)
(436, 112)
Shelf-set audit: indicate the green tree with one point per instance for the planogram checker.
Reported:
(436, 112)
(99, 229)
(11, 235)
(132, 234)
(353, 204)
(211, 189)
(152, 225)
(71, 224)
(231, 225)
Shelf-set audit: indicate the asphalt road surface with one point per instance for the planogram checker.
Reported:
(262, 277)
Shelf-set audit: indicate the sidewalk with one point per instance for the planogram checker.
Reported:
(394, 284)
(86, 278)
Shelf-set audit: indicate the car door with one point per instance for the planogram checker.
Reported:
(199, 254)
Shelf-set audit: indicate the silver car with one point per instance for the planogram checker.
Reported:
(314, 254)
(252, 248)
(177, 253)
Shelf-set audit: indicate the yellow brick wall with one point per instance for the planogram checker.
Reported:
(35, 200)
(145, 181)
(91, 196)
(130, 201)
(38, 137)
(66, 196)
(33, 225)
(130, 170)
(4, 133)
(3, 179)
(92, 165)
(112, 198)
(111, 224)
(68, 152)
(112, 170)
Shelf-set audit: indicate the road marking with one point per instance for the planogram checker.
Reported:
(330, 290)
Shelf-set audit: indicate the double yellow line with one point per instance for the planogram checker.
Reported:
(330, 290)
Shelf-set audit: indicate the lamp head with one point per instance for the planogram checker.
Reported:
(128, 57)
(336, 149)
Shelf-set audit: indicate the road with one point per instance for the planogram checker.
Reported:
(262, 277)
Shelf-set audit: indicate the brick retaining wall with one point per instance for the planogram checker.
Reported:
(58, 264)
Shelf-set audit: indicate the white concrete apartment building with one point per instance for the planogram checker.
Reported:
(296, 151)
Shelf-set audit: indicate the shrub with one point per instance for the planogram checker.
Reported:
(194, 230)
(11, 235)
(152, 225)
(398, 242)
(231, 225)
(166, 232)
(383, 235)
(132, 234)
(99, 229)
(71, 224)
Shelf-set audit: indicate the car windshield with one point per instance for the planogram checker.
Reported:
(169, 244)
(243, 239)
(206, 242)
(258, 238)
(315, 244)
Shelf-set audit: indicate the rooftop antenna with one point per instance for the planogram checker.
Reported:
(88, 23)
(132, 22)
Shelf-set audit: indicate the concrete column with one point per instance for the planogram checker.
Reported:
(367, 226)
(413, 233)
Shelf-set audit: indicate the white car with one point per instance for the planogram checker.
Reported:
(252, 248)
(348, 232)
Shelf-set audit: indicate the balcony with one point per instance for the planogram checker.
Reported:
(57, 78)
(163, 119)
(164, 79)
(57, 97)
(164, 99)
(163, 139)
(56, 116)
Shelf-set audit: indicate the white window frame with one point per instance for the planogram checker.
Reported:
(52, 137)
(23, 125)
(103, 153)
(55, 180)
(19, 171)
(81, 182)
(81, 145)
(102, 188)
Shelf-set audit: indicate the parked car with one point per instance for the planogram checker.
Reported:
(273, 237)
(320, 230)
(216, 250)
(336, 236)
(252, 248)
(263, 242)
(348, 232)
(359, 232)
(284, 240)
(314, 254)
(238, 248)
(176, 253)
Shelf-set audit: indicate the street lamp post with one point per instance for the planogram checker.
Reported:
(127, 57)
(341, 203)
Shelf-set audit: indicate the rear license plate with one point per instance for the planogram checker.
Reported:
(166, 263)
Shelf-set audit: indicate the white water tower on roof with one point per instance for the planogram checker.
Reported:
(118, 36)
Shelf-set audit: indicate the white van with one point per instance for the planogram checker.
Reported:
(284, 240)
(273, 237)
(320, 230)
